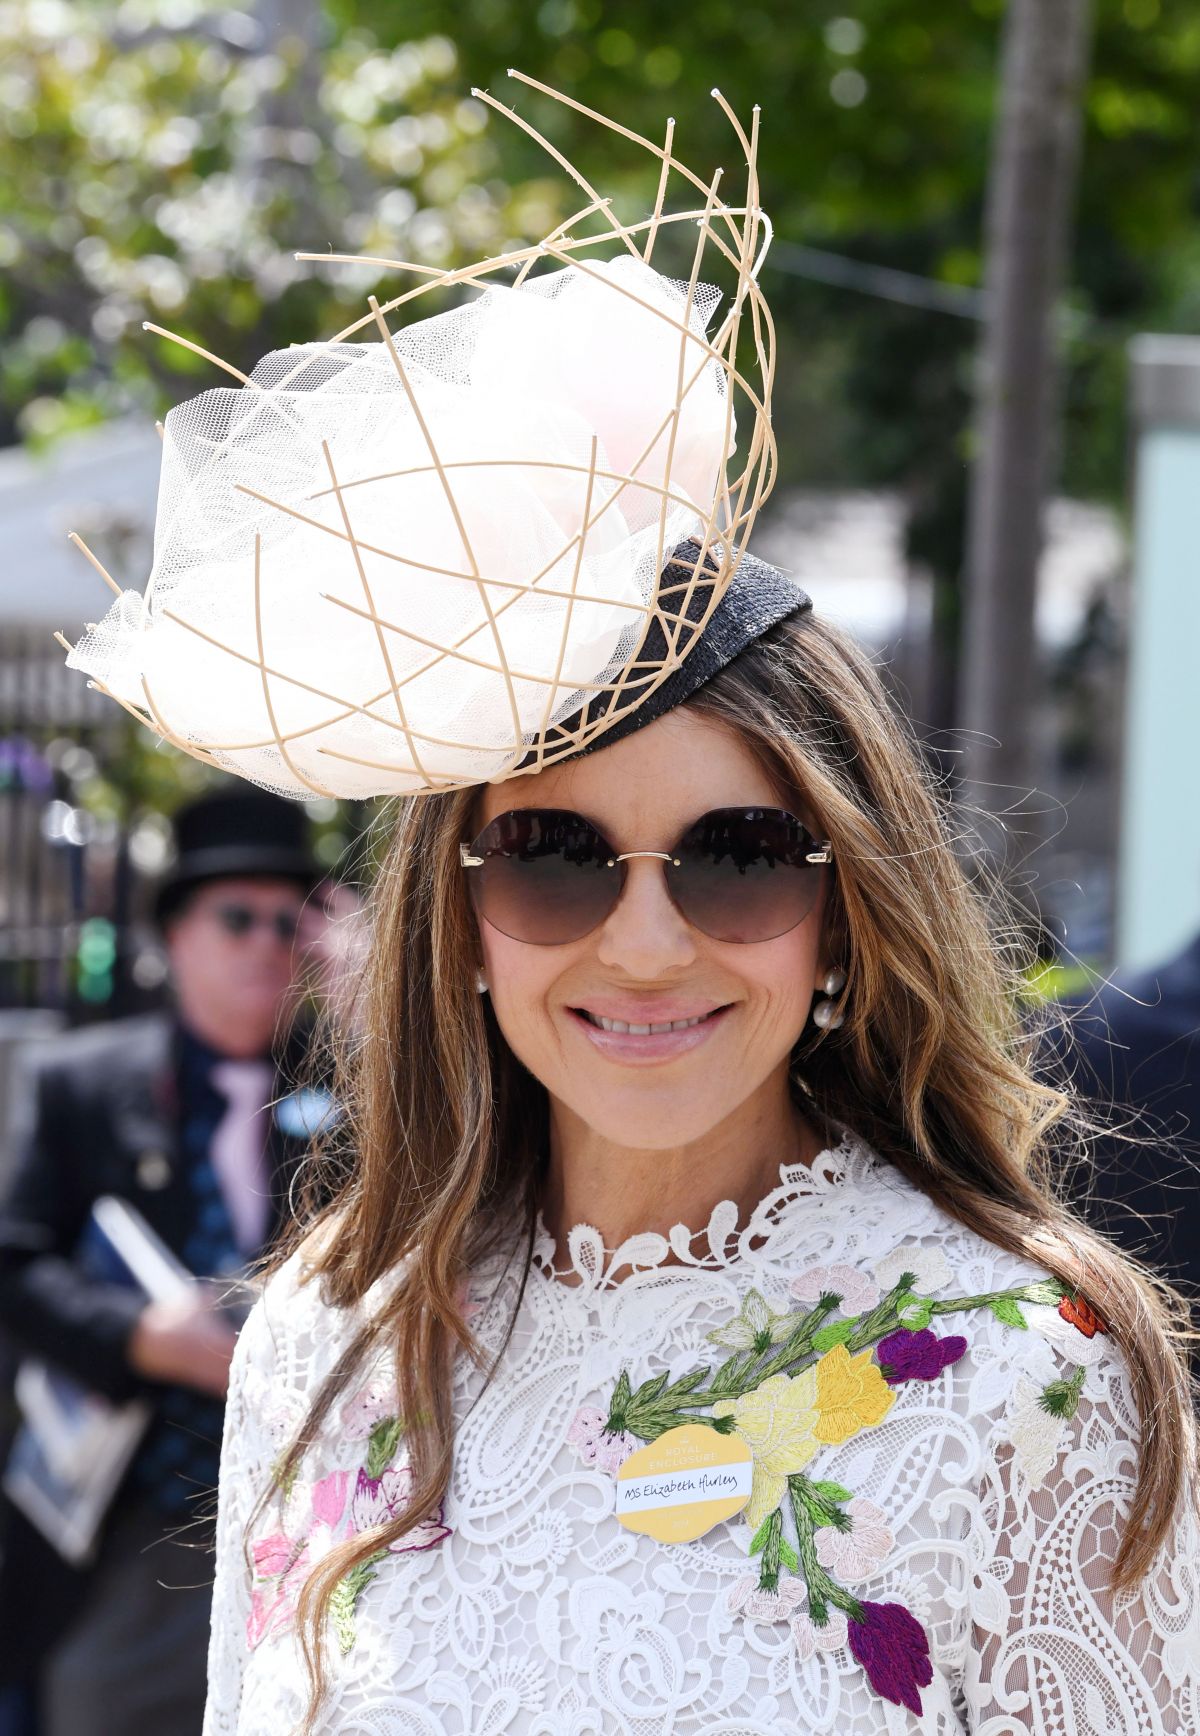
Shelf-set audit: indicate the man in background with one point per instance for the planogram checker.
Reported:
(171, 1113)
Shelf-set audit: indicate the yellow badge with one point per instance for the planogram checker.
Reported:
(684, 1483)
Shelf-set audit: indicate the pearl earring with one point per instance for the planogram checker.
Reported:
(481, 983)
(823, 1013)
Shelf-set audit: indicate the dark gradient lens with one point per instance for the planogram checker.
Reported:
(742, 874)
(545, 876)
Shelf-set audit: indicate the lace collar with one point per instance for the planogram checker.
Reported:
(593, 1266)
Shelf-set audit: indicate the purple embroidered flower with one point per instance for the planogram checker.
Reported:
(892, 1648)
(906, 1355)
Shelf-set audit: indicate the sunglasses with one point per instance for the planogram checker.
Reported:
(239, 920)
(548, 876)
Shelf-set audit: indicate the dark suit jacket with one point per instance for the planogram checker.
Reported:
(1147, 1056)
(98, 1115)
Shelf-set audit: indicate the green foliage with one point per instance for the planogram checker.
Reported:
(1008, 1312)
(162, 161)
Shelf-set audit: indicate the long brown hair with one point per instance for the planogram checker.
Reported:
(438, 1158)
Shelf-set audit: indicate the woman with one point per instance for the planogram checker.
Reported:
(692, 1341)
(977, 1495)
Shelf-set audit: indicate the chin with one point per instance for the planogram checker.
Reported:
(659, 1121)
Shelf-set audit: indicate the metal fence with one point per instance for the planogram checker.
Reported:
(71, 892)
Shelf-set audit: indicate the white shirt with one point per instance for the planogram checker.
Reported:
(529, 1611)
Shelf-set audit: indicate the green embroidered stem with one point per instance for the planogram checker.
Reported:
(381, 1446)
(823, 1590)
(793, 1349)
(656, 1407)
(768, 1571)
(344, 1601)
(887, 1316)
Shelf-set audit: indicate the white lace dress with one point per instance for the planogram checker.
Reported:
(932, 1516)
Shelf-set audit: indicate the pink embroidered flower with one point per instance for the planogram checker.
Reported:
(598, 1449)
(746, 1599)
(855, 1555)
(379, 1500)
(329, 1498)
(857, 1291)
(810, 1638)
(370, 1405)
(273, 1603)
(273, 1555)
(268, 1613)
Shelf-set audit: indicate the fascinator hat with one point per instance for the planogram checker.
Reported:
(429, 553)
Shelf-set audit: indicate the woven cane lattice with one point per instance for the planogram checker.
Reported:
(428, 554)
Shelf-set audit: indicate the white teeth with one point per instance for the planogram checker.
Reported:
(620, 1026)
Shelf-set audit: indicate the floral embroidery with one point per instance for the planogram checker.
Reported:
(856, 1290)
(747, 1598)
(856, 1554)
(596, 1448)
(1037, 1420)
(906, 1355)
(363, 1413)
(810, 1638)
(777, 1421)
(851, 1395)
(1081, 1315)
(755, 1327)
(929, 1268)
(892, 1648)
(335, 1513)
(797, 1382)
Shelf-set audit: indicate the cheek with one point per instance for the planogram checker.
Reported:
(777, 979)
(519, 979)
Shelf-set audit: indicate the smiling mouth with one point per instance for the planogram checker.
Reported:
(620, 1026)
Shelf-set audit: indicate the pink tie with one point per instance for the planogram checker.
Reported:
(237, 1150)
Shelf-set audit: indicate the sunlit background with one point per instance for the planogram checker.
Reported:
(162, 161)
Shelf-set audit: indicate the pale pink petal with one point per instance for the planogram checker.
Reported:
(612, 1452)
(856, 1289)
(810, 1638)
(585, 1426)
(369, 1406)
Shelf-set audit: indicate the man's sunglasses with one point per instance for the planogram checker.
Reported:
(547, 876)
(239, 920)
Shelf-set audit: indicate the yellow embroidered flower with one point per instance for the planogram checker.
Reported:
(777, 1421)
(851, 1395)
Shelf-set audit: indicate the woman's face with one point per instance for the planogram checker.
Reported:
(646, 964)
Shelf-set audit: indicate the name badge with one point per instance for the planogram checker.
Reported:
(684, 1483)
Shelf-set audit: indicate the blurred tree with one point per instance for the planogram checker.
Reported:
(162, 161)
(1029, 217)
(876, 126)
(162, 158)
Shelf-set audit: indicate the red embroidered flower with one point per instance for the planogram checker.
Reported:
(1081, 1315)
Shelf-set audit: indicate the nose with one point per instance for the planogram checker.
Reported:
(645, 936)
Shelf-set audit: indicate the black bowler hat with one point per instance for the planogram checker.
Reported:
(234, 833)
